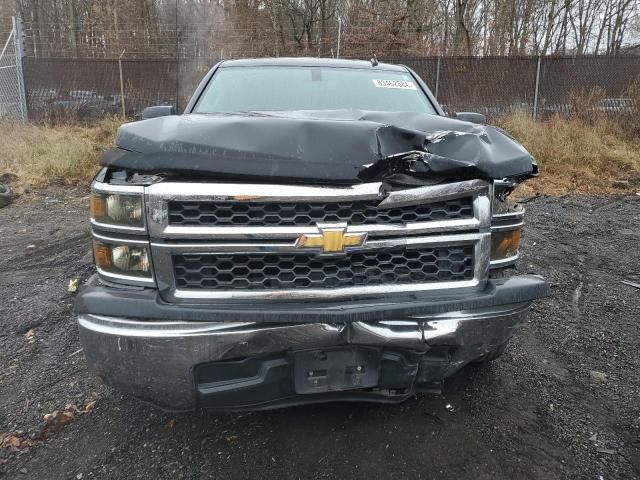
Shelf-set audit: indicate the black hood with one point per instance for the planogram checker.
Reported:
(341, 146)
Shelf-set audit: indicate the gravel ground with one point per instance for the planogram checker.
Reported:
(563, 402)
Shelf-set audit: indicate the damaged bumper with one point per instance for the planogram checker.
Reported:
(235, 365)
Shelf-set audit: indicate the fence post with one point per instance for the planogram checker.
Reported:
(535, 93)
(19, 52)
(124, 111)
(437, 77)
(339, 35)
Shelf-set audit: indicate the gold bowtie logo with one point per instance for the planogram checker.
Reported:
(331, 240)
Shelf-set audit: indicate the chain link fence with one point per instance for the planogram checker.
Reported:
(540, 86)
(85, 89)
(63, 88)
(12, 94)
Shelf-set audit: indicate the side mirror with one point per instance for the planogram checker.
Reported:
(158, 111)
(472, 117)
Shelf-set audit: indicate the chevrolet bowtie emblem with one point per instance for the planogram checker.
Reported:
(331, 240)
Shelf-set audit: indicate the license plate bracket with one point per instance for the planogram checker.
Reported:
(334, 370)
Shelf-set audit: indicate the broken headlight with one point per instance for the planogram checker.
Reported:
(506, 227)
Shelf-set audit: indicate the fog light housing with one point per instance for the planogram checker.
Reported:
(505, 244)
(117, 210)
(122, 260)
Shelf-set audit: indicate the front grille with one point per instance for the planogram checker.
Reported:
(256, 271)
(306, 214)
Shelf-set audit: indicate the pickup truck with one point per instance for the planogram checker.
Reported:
(308, 230)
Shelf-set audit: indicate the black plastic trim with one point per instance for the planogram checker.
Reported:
(97, 299)
(263, 383)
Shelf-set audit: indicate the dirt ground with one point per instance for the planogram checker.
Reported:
(564, 401)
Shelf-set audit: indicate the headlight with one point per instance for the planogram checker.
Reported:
(122, 260)
(505, 244)
(507, 220)
(117, 210)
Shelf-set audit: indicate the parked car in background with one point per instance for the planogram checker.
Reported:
(85, 105)
(616, 106)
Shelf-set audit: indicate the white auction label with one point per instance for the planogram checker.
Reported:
(401, 84)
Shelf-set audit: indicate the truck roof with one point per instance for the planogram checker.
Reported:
(310, 62)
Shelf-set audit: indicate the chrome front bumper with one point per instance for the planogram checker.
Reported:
(155, 360)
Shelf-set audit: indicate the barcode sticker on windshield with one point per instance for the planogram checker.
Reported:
(402, 84)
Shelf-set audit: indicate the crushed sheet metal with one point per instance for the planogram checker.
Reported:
(153, 360)
(445, 191)
(337, 146)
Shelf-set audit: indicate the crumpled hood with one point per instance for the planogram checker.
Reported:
(344, 146)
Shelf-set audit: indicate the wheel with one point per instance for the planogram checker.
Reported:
(5, 195)
(493, 354)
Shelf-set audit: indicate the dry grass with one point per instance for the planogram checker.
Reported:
(578, 156)
(584, 99)
(575, 156)
(39, 155)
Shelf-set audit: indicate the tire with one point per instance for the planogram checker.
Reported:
(491, 355)
(5, 195)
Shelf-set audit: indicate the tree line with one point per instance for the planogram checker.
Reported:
(351, 28)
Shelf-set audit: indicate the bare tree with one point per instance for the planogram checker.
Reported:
(213, 28)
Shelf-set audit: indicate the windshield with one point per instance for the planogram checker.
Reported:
(243, 89)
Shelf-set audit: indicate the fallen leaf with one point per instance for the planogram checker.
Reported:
(7, 441)
(73, 285)
(89, 406)
(53, 422)
(30, 335)
(14, 443)
(57, 419)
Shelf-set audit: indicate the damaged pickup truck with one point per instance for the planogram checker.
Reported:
(308, 230)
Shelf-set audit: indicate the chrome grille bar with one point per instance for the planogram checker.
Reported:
(168, 240)
(160, 195)
(163, 262)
